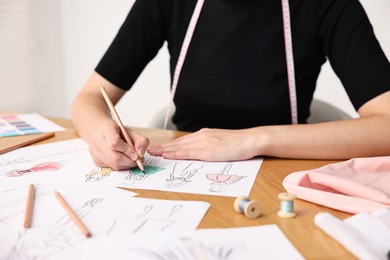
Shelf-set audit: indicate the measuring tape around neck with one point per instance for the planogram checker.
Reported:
(288, 50)
(289, 60)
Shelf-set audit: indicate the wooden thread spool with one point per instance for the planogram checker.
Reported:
(286, 205)
(250, 208)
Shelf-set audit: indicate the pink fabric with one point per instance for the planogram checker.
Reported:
(357, 185)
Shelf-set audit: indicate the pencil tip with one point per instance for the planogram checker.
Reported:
(89, 235)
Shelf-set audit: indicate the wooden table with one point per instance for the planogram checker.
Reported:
(311, 242)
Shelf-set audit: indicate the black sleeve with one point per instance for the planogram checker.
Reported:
(135, 45)
(354, 53)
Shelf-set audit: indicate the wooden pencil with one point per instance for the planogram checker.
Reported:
(121, 126)
(29, 206)
(72, 215)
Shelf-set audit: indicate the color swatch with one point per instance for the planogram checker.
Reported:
(25, 124)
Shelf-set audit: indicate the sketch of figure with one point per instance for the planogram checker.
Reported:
(98, 174)
(150, 167)
(180, 177)
(184, 248)
(143, 222)
(44, 241)
(26, 159)
(46, 166)
(223, 179)
(220, 251)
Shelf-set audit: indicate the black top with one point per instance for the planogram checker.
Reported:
(235, 73)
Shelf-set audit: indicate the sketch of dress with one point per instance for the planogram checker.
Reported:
(222, 179)
(144, 222)
(98, 174)
(182, 176)
(44, 241)
(150, 166)
(46, 166)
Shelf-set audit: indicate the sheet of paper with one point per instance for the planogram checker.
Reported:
(70, 162)
(262, 242)
(24, 124)
(365, 235)
(54, 236)
(64, 162)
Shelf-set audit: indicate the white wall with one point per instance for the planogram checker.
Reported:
(329, 87)
(89, 26)
(50, 71)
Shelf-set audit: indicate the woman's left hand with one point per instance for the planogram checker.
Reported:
(210, 145)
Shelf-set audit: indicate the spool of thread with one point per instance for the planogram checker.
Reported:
(250, 208)
(286, 205)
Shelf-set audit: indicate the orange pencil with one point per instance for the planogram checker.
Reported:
(29, 206)
(72, 215)
(119, 122)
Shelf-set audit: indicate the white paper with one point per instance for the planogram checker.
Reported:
(262, 242)
(365, 235)
(53, 235)
(70, 162)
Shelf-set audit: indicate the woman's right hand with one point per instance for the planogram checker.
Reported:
(108, 148)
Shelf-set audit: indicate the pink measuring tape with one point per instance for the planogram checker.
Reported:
(288, 50)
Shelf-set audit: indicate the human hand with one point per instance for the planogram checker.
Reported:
(108, 149)
(209, 145)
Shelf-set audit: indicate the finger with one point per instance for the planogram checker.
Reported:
(140, 142)
(112, 159)
(189, 138)
(108, 148)
(155, 150)
(189, 151)
(181, 154)
(116, 143)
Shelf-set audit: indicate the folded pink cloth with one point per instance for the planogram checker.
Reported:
(357, 185)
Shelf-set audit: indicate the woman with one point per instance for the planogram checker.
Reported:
(234, 89)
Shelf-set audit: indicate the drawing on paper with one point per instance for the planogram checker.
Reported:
(143, 222)
(53, 235)
(98, 174)
(222, 179)
(26, 159)
(150, 167)
(46, 166)
(185, 248)
(50, 239)
(179, 177)
(191, 176)
(218, 251)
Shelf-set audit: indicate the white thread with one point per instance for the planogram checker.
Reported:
(288, 50)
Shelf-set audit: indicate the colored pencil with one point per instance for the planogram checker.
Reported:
(29, 206)
(72, 215)
(119, 122)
